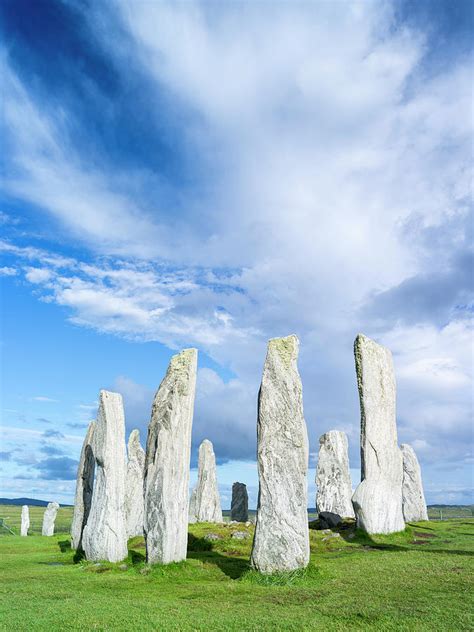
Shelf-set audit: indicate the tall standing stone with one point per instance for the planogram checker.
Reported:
(333, 477)
(239, 508)
(134, 503)
(167, 461)
(208, 502)
(105, 536)
(378, 498)
(281, 541)
(414, 504)
(25, 520)
(49, 518)
(84, 487)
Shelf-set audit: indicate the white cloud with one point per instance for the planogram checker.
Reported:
(8, 271)
(43, 398)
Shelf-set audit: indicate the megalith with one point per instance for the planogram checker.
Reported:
(192, 507)
(333, 478)
(239, 508)
(134, 503)
(281, 540)
(84, 487)
(167, 461)
(25, 520)
(105, 536)
(413, 498)
(208, 502)
(49, 518)
(378, 498)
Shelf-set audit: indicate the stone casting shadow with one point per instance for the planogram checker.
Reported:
(201, 549)
(65, 547)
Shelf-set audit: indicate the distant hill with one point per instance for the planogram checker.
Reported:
(33, 502)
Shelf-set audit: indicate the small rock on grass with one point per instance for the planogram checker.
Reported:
(240, 535)
(212, 536)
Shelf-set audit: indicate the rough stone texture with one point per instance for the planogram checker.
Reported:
(239, 535)
(208, 502)
(192, 507)
(49, 518)
(134, 502)
(333, 478)
(84, 487)
(239, 508)
(281, 541)
(25, 520)
(105, 536)
(329, 520)
(167, 461)
(378, 498)
(413, 498)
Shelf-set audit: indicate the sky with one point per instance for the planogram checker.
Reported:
(207, 174)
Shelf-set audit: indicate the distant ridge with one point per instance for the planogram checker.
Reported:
(33, 502)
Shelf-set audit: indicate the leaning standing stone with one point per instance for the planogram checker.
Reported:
(84, 487)
(378, 498)
(208, 502)
(49, 518)
(167, 461)
(239, 508)
(281, 541)
(414, 504)
(25, 520)
(105, 535)
(134, 507)
(333, 478)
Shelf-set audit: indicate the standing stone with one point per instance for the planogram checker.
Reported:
(84, 487)
(414, 504)
(333, 478)
(208, 502)
(48, 519)
(239, 508)
(134, 504)
(25, 520)
(167, 461)
(192, 507)
(105, 535)
(378, 498)
(281, 541)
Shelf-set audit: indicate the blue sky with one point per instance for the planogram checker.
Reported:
(213, 175)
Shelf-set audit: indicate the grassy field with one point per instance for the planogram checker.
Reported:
(421, 579)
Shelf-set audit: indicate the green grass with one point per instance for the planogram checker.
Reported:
(420, 579)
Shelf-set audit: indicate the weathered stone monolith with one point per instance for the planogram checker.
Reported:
(49, 518)
(192, 507)
(333, 478)
(378, 498)
(134, 503)
(239, 508)
(105, 536)
(167, 462)
(84, 487)
(414, 504)
(25, 520)
(281, 541)
(208, 502)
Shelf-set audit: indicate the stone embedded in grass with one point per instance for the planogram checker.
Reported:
(167, 461)
(239, 508)
(134, 503)
(239, 535)
(378, 498)
(25, 520)
(212, 537)
(208, 502)
(414, 504)
(333, 478)
(105, 534)
(84, 488)
(281, 541)
(329, 520)
(49, 518)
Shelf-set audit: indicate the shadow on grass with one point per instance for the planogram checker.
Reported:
(201, 549)
(65, 547)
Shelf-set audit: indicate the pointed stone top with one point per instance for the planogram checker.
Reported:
(134, 439)
(206, 443)
(183, 358)
(362, 340)
(286, 348)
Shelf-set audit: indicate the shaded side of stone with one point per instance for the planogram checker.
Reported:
(84, 488)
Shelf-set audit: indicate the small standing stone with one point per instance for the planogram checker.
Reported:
(49, 518)
(208, 502)
(333, 477)
(414, 504)
(84, 487)
(281, 541)
(25, 520)
(134, 501)
(239, 508)
(192, 507)
(167, 462)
